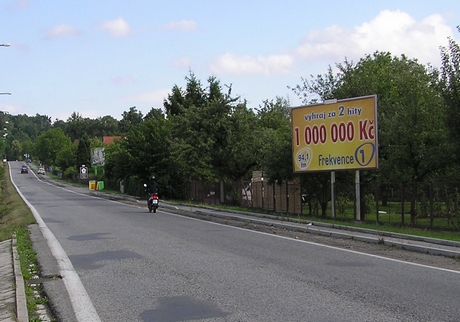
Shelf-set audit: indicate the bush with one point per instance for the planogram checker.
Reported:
(69, 172)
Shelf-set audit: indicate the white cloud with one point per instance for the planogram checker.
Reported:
(237, 65)
(393, 31)
(117, 28)
(182, 25)
(61, 31)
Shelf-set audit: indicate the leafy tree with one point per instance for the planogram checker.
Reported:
(449, 86)
(143, 151)
(66, 157)
(83, 155)
(243, 150)
(107, 126)
(116, 167)
(2, 148)
(130, 119)
(16, 150)
(194, 95)
(154, 113)
(74, 128)
(23, 129)
(49, 144)
(175, 101)
(212, 135)
(275, 132)
(412, 139)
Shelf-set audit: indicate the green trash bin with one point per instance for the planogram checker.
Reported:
(100, 185)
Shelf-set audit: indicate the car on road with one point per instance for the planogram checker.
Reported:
(41, 171)
(24, 169)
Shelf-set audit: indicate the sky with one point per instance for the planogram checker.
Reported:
(101, 57)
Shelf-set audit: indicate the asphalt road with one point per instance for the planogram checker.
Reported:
(138, 266)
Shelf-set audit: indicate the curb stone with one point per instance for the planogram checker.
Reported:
(21, 300)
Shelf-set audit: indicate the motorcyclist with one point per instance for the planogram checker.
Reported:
(152, 187)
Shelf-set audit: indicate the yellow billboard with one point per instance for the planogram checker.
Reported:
(335, 135)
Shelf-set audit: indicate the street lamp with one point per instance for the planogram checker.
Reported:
(5, 93)
(5, 45)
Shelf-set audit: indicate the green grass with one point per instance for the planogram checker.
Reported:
(348, 220)
(14, 213)
(29, 269)
(15, 216)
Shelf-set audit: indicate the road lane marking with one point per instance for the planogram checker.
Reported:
(81, 303)
(288, 238)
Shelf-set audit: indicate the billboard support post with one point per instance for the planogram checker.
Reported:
(333, 193)
(358, 196)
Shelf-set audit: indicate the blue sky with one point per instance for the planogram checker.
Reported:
(101, 57)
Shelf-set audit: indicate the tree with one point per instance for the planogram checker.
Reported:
(66, 157)
(275, 133)
(116, 167)
(16, 150)
(74, 127)
(412, 137)
(144, 151)
(49, 144)
(130, 119)
(213, 136)
(107, 126)
(154, 113)
(449, 86)
(83, 156)
(194, 95)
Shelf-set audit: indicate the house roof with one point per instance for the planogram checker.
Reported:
(109, 139)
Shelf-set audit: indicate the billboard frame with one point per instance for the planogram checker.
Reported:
(335, 135)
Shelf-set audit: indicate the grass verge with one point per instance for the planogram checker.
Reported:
(15, 216)
(14, 213)
(421, 232)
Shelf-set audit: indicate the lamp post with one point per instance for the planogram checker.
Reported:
(6, 122)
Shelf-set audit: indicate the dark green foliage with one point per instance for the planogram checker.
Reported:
(50, 144)
(130, 119)
(21, 132)
(449, 86)
(275, 140)
(83, 156)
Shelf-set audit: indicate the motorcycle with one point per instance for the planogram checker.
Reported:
(153, 201)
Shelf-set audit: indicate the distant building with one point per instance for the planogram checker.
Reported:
(110, 139)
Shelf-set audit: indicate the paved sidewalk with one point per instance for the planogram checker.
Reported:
(7, 284)
(13, 304)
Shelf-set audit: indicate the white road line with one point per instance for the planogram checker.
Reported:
(81, 303)
(292, 239)
(321, 245)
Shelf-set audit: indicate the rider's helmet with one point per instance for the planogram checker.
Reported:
(152, 178)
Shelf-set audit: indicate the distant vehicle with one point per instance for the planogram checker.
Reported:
(41, 171)
(24, 169)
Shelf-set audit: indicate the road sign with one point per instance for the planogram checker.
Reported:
(83, 172)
